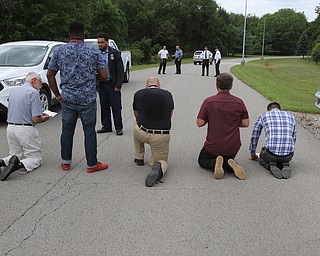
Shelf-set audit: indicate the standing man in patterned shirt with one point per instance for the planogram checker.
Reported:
(279, 144)
(78, 64)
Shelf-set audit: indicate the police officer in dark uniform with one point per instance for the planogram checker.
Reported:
(110, 90)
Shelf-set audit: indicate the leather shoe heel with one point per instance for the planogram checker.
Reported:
(103, 130)
(14, 164)
(139, 162)
(155, 175)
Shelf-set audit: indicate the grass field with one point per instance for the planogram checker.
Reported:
(291, 82)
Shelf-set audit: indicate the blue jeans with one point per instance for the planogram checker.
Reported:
(88, 118)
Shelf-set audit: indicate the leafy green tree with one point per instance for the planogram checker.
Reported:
(108, 18)
(302, 46)
(284, 29)
(315, 53)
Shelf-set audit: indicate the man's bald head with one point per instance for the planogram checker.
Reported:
(153, 81)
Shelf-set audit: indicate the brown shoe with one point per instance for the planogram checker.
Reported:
(239, 172)
(218, 169)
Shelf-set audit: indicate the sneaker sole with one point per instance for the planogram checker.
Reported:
(218, 169)
(276, 171)
(152, 177)
(286, 172)
(10, 168)
(239, 172)
(96, 170)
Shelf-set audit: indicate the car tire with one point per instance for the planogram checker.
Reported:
(45, 99)
(126, 75)
(195, 63)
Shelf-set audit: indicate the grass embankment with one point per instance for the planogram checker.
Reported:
(291, 82)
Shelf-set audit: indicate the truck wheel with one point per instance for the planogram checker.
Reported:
(45, 99)
(194, 63)
(126, 75)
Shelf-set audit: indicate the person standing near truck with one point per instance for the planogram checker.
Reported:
(163, 56)
(79, 65)
(110, 89)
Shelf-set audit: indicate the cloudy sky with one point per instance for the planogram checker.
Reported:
(261, 7)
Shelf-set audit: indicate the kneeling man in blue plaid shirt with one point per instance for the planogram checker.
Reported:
(280, 138)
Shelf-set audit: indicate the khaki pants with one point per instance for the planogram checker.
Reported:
(25, 143)
(159, 144)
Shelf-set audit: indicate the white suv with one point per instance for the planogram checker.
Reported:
(198, 59)
(17, 59)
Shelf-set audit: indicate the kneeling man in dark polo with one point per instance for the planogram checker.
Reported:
(153, 109)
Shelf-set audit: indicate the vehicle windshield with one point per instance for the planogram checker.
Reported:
(94, 44)
(21, 55)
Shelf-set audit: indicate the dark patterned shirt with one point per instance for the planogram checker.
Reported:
(280, 132)
(78, 64)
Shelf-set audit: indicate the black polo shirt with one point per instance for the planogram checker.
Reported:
(154, 106)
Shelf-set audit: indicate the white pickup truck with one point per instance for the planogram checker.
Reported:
(125, 55)
(19, 58)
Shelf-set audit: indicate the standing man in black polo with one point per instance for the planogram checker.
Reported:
(205, 56)
(110, 90)
(153, 110)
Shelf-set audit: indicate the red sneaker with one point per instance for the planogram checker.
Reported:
(65, 167)
(99, 167)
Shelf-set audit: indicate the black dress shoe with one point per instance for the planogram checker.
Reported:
(155, 175)
(103, 130)
(14, 164)
(139, 161)
(119, 132)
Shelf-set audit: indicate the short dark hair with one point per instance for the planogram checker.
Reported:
(76, 28)
(224, 81)
(103, 35)
(273, 105)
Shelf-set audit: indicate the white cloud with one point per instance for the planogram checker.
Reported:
(261, 7)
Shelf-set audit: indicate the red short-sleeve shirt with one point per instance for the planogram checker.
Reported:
(223, 113)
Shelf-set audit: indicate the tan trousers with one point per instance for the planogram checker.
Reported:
(25, 143)
(159, 144)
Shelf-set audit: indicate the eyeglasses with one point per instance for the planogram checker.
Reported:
(38, 80)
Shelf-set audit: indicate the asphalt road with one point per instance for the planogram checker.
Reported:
(53, 212)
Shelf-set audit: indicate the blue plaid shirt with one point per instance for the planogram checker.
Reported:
(280, 132)
(78, 64)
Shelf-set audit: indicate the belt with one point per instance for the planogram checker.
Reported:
(21, 124)
(153, 131)
(106, 82)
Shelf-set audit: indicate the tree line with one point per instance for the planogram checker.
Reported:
(143, 26)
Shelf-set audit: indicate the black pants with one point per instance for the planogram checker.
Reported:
(163, 65)
(266, 157)
(110, 101)
(217, 67)
(178, 66)
(208, 161)
(205, 65)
